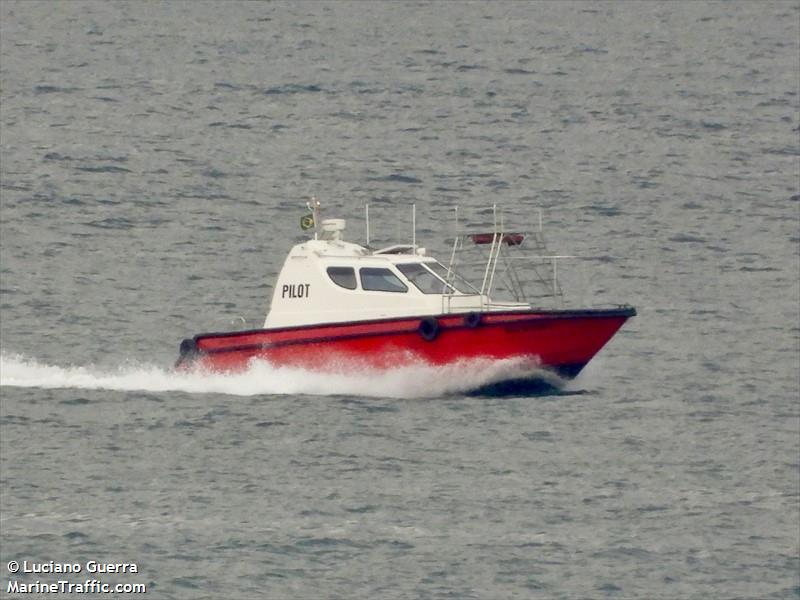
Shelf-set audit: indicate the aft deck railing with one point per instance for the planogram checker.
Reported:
(541, 266)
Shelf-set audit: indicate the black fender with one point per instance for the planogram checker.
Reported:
(472, 320)
(428, 329)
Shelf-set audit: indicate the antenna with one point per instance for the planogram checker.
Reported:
(366, 210)
(414, 227)
(450, 273)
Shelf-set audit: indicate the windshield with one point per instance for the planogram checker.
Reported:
(425, 281)
(452, 276)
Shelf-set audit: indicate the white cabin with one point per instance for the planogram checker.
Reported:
(330, 280)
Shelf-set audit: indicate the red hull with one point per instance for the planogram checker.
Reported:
(560, 340)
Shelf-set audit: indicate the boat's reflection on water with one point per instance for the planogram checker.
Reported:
(537, 387)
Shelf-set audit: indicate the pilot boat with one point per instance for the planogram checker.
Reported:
(341, 307)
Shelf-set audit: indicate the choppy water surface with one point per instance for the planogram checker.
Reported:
(155, 159)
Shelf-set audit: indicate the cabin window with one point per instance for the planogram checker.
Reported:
(343, 277)
(425, 281)
(381, 280)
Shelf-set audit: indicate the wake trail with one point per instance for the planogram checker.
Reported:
(411, 381)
